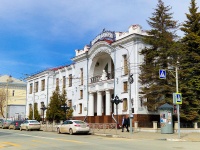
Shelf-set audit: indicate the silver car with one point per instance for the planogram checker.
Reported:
(30, 125)
(4, 124)
(73, 126)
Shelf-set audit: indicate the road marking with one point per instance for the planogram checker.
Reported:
(73, 141)
(7, 144)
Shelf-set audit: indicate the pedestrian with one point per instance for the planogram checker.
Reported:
(127, 123)
(123, 123)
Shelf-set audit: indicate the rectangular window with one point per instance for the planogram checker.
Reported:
(125, 87)
(57, 82)
(36, 86)
(43, 85)
(42, 105)
(81, 76)
(125, 65)
(69, 103)
(64, 81)
(125, 106)
(31, 88)
(70, 80)
(13, 93)
(35, 106)
(81, 94)
(80, 108)
(30, 109)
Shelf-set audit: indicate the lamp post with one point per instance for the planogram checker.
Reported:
(65, 108)
(130, 81)
(116, 101)
(7, 81)
(43, 108)
(177, 91)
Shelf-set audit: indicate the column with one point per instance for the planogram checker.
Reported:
(108, 102)
(91, 104)
(99, 103)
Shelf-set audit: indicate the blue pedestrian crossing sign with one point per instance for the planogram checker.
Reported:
(177, 98)
(162, 74)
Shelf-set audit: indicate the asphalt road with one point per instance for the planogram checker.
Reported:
(39, 140)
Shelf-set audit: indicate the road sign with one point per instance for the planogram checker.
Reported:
(162, 74)
(177, 98)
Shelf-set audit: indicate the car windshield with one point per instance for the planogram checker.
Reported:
(33, 121)
(79, 122)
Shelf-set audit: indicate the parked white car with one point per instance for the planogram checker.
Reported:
(30, 125)
(73, 126)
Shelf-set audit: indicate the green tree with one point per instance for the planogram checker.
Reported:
(190, 65)
(36, 113)
(158, 54)
(69, 113)
(55, 111)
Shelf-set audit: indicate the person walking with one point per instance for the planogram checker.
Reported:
(127, 124)
(123, 123)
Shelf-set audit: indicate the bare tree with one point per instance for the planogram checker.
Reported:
(2, 101)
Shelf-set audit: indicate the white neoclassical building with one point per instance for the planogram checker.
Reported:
(98, 73)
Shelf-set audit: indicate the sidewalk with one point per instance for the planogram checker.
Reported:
(192, 136)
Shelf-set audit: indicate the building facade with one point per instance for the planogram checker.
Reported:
(98, 73)
(13, 98)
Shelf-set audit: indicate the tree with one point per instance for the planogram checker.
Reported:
(190, 65)
(54, 110)
(2, 102)
(158, 54)
(36, 113)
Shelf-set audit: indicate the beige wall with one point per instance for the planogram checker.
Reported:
(19, 97)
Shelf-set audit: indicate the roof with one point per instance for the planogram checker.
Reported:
(165, 106)
(4, 79)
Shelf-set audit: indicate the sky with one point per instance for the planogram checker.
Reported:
(39, 34)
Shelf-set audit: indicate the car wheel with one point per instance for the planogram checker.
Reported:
(70, 131)
(58, 130)
(27, 129)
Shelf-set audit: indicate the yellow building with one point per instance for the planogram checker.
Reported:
(12, 98)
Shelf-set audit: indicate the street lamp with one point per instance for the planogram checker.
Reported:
(178, 107)
(65, 108)
(7, 81)
(130, 81)
(116, 101)
(43, 108)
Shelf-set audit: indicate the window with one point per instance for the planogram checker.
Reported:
(81, 94)
(13, 93)
(125, 65)
(125, 86)
(36, 86)
(31, 88)
(64, 81)
(70, 80)
(80, 108)
(125, 106)
(57, 82)
(69, 103)
(30, 109)
(35, 106)
(41, 111)
(81, 76)
(43, 85)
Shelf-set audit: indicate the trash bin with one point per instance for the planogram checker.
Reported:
(166, 118)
